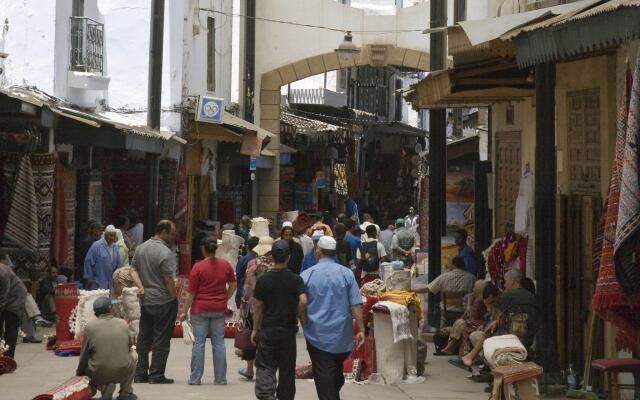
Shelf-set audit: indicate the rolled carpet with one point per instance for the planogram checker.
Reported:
(68, 348)
(504, 350)
(7, 365)
(76, 388)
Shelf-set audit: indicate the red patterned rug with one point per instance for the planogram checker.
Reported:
(609, 300)
(76, 388)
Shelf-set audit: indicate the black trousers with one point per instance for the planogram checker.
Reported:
(327, 372)
(276, 352)
(9, 324)
(156, 328)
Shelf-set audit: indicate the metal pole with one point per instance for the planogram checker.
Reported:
(437, 162)
(153, 113)
(545, 218)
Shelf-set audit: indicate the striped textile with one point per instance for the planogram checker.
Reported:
(609, 300)
(22, 222)
(627, 244)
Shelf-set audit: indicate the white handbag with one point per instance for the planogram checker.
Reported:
(187, 332)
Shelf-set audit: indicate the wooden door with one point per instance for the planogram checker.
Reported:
(507, 178)
(578, 223)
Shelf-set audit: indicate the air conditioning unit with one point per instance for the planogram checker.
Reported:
(210, 109)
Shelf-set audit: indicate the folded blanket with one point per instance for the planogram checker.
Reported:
(76, 388)
(504, 350)
(399, 319)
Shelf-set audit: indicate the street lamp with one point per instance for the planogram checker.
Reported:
(347, 51)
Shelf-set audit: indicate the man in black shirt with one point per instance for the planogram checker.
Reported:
(280, 301)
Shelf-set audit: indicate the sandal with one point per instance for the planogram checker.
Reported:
(242, 373)
(442, 353)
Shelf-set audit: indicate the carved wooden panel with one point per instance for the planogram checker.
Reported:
(583, 140)
(508, 146)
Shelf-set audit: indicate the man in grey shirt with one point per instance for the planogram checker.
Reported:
(13, 294)
(153, 269)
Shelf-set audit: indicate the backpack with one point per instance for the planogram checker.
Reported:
(372, 263)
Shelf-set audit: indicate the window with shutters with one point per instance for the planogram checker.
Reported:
(583, 140)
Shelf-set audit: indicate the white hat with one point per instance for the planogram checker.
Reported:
(287, 224)
(110, 229)
(327, 243)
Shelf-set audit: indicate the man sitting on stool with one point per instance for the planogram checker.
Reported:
(106, 356)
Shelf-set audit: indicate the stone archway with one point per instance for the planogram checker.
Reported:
(268, 100)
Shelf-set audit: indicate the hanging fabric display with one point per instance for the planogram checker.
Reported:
(609, 300)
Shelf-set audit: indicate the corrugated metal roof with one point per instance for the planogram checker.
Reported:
(605, 25)
(230, 119)
(120, 121)
(307, 124)
(485, 30)
(609, 6)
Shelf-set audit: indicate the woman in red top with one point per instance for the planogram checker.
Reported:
(212, 282)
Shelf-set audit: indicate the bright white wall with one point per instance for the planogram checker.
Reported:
(195, 51)
(281, 44)
(127, 45)
(30, 42)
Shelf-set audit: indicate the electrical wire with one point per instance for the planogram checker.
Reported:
(276, 21)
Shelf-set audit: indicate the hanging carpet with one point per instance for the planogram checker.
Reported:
(59, 236)
(609, 300)
(627, 246)
(22, 222)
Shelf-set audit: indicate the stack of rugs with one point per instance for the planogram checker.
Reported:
(504, 350)
(83, 313)
(7, 364)
(76, 388)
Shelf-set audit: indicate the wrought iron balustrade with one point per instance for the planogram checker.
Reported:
(87, 50)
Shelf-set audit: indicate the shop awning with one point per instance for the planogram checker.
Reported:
(478, 85)
(484, 37)
(306, 125)
(232, 129)
(600, 26)
(122, 122)
(395, 129)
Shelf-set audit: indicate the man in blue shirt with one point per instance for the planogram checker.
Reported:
(351, 208)
(333, 301)
(353, 239)
(102, 259)
(310, 258)
(466, 252)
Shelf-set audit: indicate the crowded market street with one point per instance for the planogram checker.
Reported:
(443, 382)
(319, 199)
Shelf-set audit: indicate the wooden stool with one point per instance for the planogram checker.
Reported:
(521, 376)
(611, 367)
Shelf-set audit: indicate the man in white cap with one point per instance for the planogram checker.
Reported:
(102, 259)
(333, 301)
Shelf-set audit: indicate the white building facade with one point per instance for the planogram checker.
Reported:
(95, 53)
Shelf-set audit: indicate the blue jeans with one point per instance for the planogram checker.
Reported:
(204, 323)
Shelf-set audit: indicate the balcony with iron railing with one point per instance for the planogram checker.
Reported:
(87, 50)
(318, 96)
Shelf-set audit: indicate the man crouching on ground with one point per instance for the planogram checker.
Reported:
(106, 356)
(280, 301)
